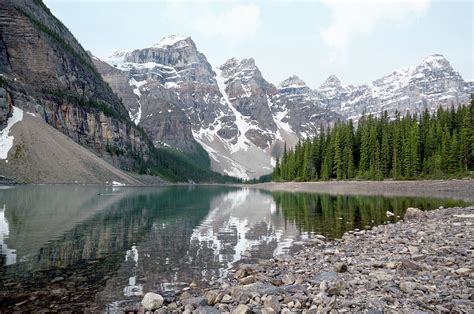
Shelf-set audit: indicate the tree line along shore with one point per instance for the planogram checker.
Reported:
(427, 146)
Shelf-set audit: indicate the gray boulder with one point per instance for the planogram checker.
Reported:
(414, 214)
(152, 301)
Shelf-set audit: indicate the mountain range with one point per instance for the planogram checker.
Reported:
(243, 121)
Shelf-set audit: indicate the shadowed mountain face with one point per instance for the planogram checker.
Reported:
(242, 120)
(43, 69)
(77, 247)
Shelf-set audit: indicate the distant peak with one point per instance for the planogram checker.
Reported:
(229, 63)
(119, 53)
(331, 83)
(249, 61)
(234, 62)
(170, 41)
(117, 56)
(332, 80)
(293, 78)
(293, 81)
(436, 59)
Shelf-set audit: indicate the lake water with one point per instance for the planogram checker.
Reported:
(101, 248)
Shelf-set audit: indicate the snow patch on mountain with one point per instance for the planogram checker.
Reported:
(137, 116)
(242, 125)
(117, 57)
(292, 82)
(278, 117)
(170, 41)
(6, 140)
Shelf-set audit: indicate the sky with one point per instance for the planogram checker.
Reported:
(358, 41)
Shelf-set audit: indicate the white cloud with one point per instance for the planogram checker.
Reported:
(228, 20)
(352, 17)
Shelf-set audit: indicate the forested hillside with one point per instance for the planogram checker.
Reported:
(408, 147)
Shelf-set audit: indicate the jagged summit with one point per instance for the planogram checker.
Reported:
(292, 82)
(234, 62)
(117, 57)
(436, 59)
(435, 63)
(331, 81)
(331, 89)
(173, 40)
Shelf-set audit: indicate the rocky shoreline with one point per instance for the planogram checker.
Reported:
(423, 264)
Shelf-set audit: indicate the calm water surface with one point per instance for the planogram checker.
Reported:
(73, 247)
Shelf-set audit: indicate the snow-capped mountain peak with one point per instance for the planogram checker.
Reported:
(436, 61)
(234, 65)
(331, 82)
(117, 57)
(118, 54)
(292, 82)
(331, 88)
(174, 40)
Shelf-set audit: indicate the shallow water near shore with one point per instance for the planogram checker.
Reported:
(74, 247)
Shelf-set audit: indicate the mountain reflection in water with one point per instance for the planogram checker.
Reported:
(74, 247)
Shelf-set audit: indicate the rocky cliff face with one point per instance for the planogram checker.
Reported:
(5, 106)
(298, 110)
(45, 70)
(428, 85)
(169, 126)
(175, 91)
(332, 93)
(247, 92)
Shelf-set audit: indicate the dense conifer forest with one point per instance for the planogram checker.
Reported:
(408, 147)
